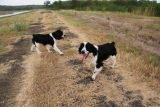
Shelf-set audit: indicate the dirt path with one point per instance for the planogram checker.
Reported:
(10, 81)
(52, 80)
(64, 81)
(13, 71)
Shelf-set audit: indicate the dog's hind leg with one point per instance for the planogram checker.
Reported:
(114, 61)
(37, 48)
(97, 70)
(32, 47)
(48, 48)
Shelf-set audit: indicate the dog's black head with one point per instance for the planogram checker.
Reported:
(86, 48)
(58, 34)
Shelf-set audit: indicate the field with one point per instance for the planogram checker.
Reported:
(6, 12)
(49, 80)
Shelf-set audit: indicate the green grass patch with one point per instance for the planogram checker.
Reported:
(72, 20)
(77, 22)
(18, 26)
(13, 26)
(153, 59)
(133, 49)
(153, 26)
(2, 48)
(110, 36)
(67, 13)
(3, 30)
(130, 48)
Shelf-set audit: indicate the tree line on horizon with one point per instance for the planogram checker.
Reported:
(26, 7)
(143, 7)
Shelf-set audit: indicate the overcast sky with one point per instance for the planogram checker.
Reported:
(26, 2)
(22, 2)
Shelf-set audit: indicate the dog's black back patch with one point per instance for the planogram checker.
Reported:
(43, 39)
(106, 50)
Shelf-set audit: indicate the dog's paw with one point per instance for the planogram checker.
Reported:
(39, 52)
(49, 51)
(111, 66)
(61, 53)
(93, 77)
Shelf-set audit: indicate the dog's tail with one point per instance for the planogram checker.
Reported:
(113, 43)
(33, 41)
(33, 35)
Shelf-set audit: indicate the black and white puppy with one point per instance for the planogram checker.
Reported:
(49, 40)
(100, 53)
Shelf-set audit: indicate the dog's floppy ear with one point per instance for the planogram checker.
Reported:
(80, 47)
(91, 48)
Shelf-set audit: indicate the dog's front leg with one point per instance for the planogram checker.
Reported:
(97, 70)
(57, 50)
(114, 61)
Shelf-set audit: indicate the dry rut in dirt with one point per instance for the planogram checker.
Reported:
(13, 71)
(65, 81)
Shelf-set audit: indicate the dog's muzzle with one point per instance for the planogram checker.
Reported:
(82, 52)
(84, 57)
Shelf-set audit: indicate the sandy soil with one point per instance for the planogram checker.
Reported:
(52, 80)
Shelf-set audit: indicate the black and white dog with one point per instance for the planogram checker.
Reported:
(48, 40)
(100, 53)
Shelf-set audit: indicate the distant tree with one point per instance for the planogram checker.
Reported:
(89, 2)
(60, 4)
(73, 4)
(47, 3)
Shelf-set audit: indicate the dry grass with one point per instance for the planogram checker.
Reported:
(59, 82)
(109, 14)
(6, 12)
(63, 81)
(2, 48)
(145, 65)
(15, 26)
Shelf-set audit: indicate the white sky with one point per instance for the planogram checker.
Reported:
(22, 2)
(26, 2)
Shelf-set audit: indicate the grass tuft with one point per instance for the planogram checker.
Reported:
(111, 36)
(152, 59)
(72, 20)
(2, 48)
(18, 26)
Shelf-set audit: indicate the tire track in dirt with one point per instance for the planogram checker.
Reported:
(11, 81)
